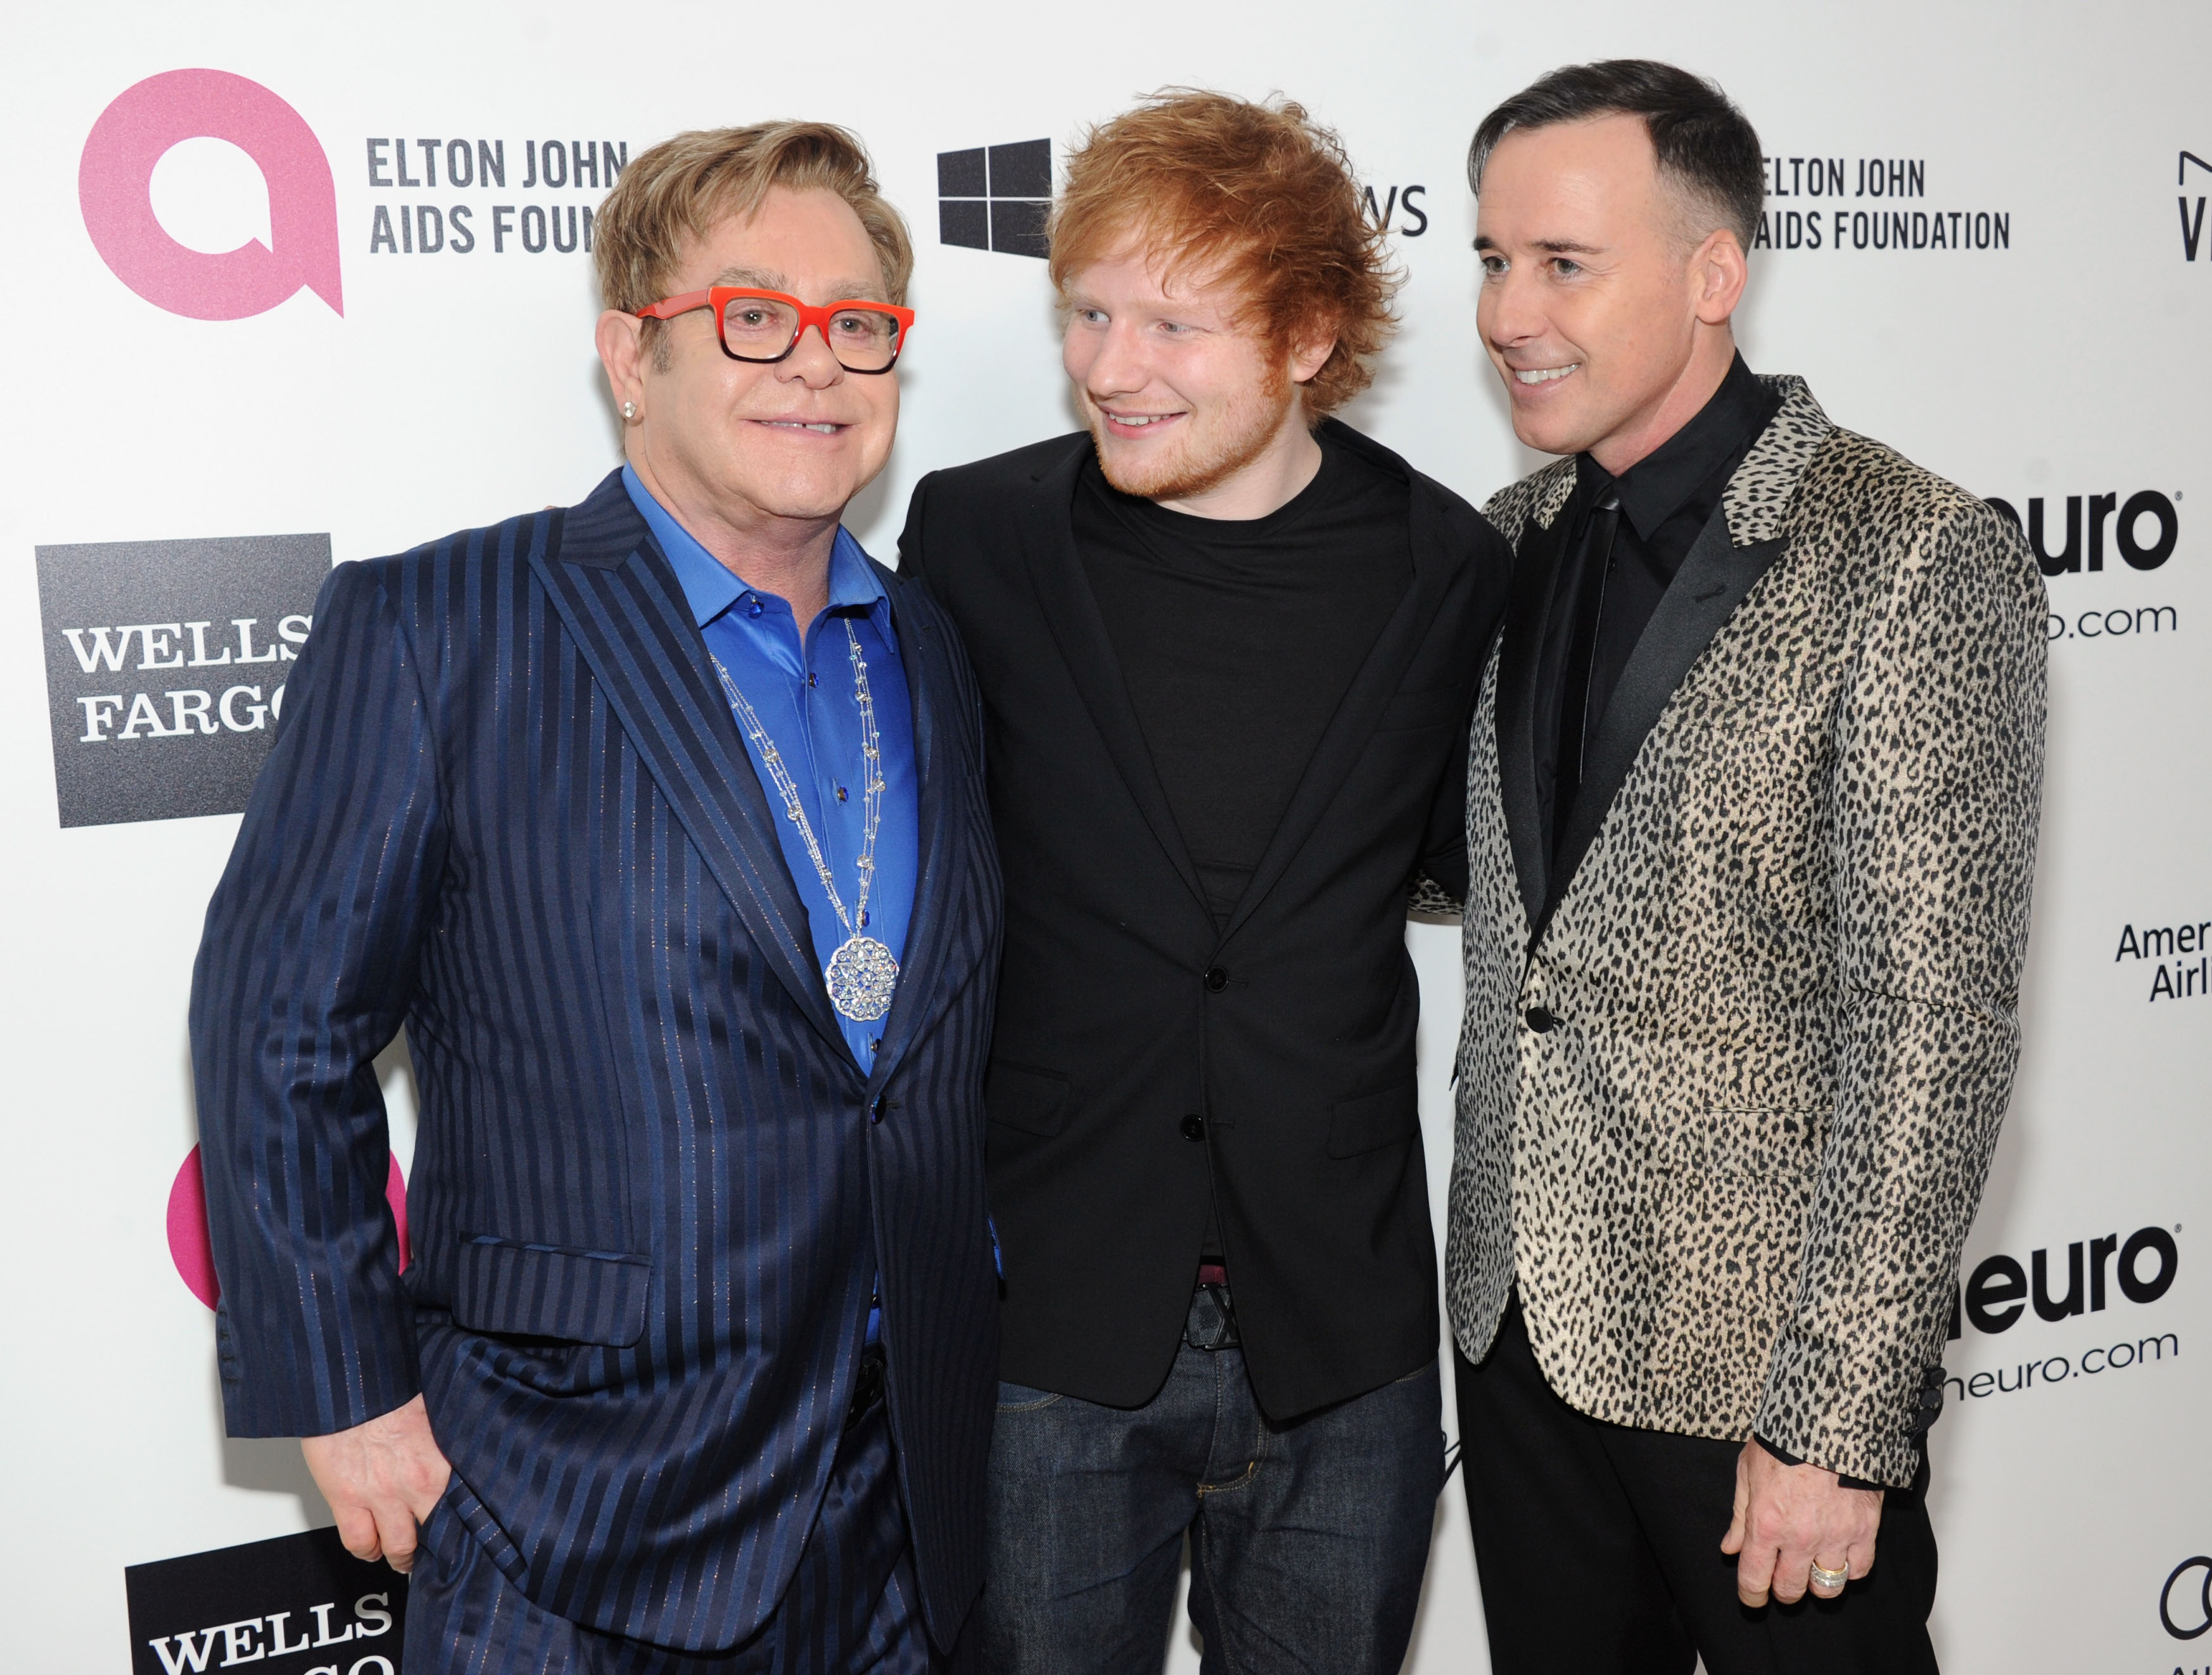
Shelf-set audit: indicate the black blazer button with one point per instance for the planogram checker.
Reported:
(876, 1110)
(1540, 1018)
(1194, 1128)
(1216, 979)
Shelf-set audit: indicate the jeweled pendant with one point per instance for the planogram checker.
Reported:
(862, 977)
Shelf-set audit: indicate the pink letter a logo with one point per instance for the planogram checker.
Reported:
(117, 166)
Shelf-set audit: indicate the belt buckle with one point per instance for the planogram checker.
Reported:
(1212, 1323)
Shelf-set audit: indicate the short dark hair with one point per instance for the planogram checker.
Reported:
(1703, 141)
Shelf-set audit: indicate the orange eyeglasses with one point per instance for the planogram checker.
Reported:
(764, 327)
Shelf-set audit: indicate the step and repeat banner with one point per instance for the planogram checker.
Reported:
(291, 286)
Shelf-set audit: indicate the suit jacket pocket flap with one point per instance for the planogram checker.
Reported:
(1033, 1101)
(555, 1291)
(1375, 1120)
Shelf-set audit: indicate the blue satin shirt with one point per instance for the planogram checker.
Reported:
(803, 693)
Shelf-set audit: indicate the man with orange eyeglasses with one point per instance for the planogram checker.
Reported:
(657, 821)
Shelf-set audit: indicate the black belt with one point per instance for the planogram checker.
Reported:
(867, 1384)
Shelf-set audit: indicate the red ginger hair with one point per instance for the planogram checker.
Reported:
(1258, 195)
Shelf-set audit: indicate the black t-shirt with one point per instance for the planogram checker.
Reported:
(1237, 639)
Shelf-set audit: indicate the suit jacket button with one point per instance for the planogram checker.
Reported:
(1540, 1018)
(876, 1110)
(1194, 1128)
(1216, 979)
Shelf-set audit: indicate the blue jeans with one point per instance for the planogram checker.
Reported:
(1309, 1540)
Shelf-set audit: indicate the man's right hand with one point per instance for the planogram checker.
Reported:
(381, 1479)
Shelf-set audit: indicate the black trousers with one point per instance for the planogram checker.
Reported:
(1599, 1547)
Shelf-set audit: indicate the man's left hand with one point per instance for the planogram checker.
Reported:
(1791, 1517)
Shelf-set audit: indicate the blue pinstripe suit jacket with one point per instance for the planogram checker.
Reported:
(509, 808)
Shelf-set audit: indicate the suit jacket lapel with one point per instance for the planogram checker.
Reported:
(1071, 611)
(1704, 595)
(942, 847)
(620, 602)
(1738, 544)
(1535, 577)
(1377, 682)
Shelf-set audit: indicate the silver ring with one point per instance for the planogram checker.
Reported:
(1823, 1577)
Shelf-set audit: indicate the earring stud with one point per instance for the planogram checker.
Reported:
(629, 411)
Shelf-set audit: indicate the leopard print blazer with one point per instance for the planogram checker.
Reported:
(1733, 1180)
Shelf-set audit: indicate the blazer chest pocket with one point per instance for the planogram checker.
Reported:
(1016, 1096)
(526, 1290)
(1374, 1120)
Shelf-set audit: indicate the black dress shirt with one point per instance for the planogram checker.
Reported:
(1626, 539)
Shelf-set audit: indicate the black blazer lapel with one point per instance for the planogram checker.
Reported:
(1704, 595)
(1536, 565)
(1353, 727)
(619, 599)
(1072, 613)
(942, 845)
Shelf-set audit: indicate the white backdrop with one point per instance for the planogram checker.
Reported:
(2068, 358)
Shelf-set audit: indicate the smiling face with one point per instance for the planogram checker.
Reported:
(1188, 402)
(1606, 316)
(747, 445)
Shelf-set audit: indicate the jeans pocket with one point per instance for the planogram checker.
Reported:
(1021, 1398)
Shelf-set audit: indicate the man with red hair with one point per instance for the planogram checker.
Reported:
(1228, 649)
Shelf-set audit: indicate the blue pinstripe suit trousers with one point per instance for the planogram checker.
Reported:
(853, 1606)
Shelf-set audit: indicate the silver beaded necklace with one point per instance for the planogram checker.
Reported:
(862, 976)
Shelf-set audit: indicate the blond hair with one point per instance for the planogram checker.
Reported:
(683, 188)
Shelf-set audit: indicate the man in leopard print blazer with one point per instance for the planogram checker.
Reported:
(1751, 825)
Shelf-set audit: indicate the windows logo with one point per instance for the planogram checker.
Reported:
(995, 197)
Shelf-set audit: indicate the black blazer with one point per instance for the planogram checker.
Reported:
(509, 807)
(1124, 1011)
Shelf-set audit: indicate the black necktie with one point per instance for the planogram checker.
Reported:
(1594, 564)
